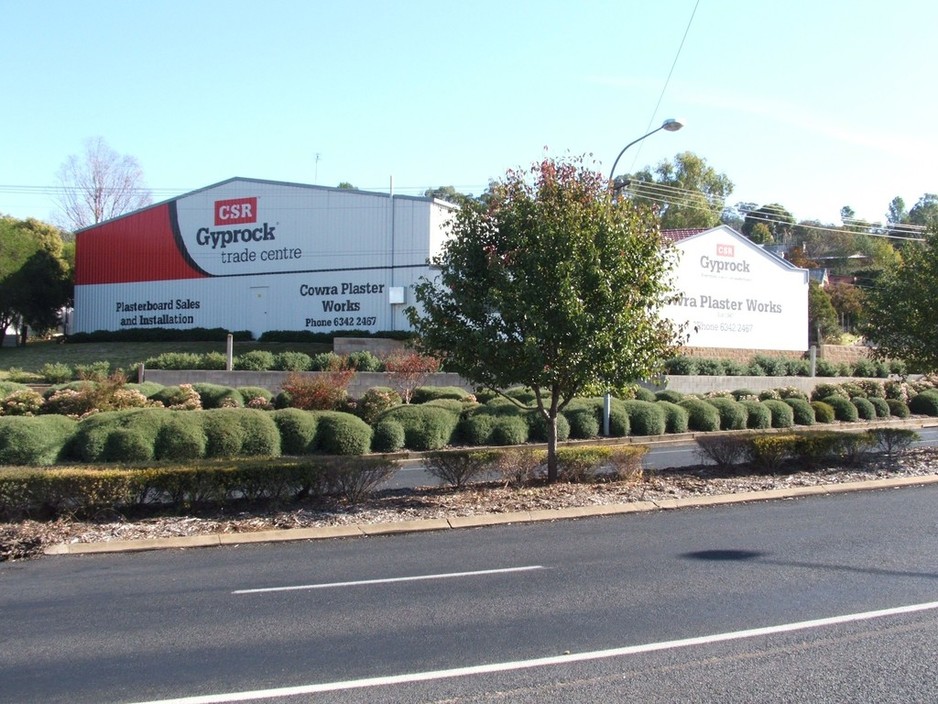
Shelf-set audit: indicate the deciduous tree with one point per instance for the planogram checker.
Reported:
(98, 185)
(553, 284)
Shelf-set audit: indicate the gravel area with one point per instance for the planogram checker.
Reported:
(28, 539)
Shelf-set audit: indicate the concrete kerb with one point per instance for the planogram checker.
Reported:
(459, 522)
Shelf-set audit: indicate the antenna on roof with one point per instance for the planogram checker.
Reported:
(316, 171)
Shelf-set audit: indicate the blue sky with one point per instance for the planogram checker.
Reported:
(814, 105)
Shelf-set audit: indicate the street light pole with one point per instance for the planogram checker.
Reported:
(669, 125)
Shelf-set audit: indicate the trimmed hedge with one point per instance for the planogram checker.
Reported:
(897, 408)
(218, 396)
(297, 430)
(865, 409)
(645, 417)
(537, 426)
(758, 416)
(702, 416)
(844, 410)
(342, 434)
(802, 412)
(882, 408)
(34, 440)
(387, 436)
(782, 414)
(425, 427)
(823, 412)
(925, 403)
(422, 394)
(733, 415)
(676, 417)
(669, 396)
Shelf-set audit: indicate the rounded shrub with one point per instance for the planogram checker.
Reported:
(733, 368)
(865, 368)
(249, 393)
(643, 394)
(844, 410)
(180, 438)
(476, 429)
(758, 416)
(217, 396)
(733, 415)
(255, 361)
(670, 396)
(297, 430)
(342, 434)
(213, 360)
(925, 403)
(509, 430)
(680, 366)
(261, 435)
(824, 367)
(522, 394)
(710, 367)
(424, 394)
(388, 436)
(537, 426)
(55, 372)
(450, 404)
(782, 414)
(127, 445)
(865, 409)
(292, 362)
(675, 417)
(39, 440)
(583, 422)
(181, 397)
(823, 412)
(224, 435)
(803, 413)
(646, 417)
(742, 394)
(897, 408)
(701, 416)
(325, 361)
(425, 427)
(364, 361)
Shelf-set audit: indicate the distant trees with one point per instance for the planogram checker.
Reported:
(98, 185)
(35, 275)
(770, 224)
(687, 191)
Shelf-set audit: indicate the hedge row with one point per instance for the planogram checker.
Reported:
(763, 365)
(83, 491)
(807, 450)
(147, 434)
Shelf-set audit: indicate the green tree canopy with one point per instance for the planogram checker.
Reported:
(688, 192)
(553, 284)
(901, 315)
(35, 273)
(774, 218)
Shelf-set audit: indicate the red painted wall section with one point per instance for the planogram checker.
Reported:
(139, 247)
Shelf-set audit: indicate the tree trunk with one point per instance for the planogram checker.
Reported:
(552, 448)
(24, 332)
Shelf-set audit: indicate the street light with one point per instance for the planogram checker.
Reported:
(669, 125)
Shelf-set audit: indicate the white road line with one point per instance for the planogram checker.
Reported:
(389, 580)
(539, 662)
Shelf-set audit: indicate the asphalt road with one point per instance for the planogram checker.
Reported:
(656, 607)
(663, 455)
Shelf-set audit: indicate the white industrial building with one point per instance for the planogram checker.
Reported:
(247, 254)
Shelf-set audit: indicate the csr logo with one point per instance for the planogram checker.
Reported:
(235, 211)
(723, 250)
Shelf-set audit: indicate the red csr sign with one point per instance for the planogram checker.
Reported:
(725, 250)
(235, 211)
